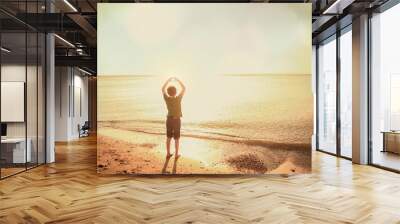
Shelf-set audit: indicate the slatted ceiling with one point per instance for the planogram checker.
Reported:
(227, 1)
(70, 191)
(287, 1)
(23, 6)
(87, 5)
(82, 5)
(16, 43)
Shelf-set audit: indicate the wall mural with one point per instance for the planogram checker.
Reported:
(204, 88)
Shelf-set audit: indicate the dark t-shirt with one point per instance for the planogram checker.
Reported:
(173, 105)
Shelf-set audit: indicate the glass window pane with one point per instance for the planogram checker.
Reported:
(32, 95)
(346, 94)
(386, 89)
(41, 98)
(327, 96)
(22, 87)
(13, 86)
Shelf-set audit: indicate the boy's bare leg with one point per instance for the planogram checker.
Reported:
(168, 147)
(177, 147)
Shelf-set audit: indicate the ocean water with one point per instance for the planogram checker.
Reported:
(276, 108)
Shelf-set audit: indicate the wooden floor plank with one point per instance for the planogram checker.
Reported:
(70, 191)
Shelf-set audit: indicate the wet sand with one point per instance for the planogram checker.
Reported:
(126, 150)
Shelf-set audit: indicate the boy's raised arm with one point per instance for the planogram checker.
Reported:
(164, 87)
(182, 87)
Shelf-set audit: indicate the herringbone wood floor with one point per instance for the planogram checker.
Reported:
(70, 191)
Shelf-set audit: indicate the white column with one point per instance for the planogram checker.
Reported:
(50, 99)
(360, 90)
(50, 92)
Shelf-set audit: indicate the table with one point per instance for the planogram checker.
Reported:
(16, 147)
(391, 141)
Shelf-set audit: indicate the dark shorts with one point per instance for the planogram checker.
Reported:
(173, 127)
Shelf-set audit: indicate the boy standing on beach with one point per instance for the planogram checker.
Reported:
(173, 123)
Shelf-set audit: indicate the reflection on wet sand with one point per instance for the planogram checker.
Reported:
(175, 164)
(167, 159)
(164, 169)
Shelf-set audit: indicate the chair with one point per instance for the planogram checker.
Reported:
(84, 130)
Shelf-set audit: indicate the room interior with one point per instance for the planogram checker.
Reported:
(48, 147)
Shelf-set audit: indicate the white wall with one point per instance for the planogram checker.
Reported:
(81, 84)
(62, 82)
(70, 83)
(12, 73)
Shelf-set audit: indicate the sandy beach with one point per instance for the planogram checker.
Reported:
(223, 132)
(124, 149)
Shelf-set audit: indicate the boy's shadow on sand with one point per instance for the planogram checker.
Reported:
(167, 159)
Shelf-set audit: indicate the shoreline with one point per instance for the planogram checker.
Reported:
(122, 151)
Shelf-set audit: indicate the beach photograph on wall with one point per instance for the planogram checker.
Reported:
(204, 88)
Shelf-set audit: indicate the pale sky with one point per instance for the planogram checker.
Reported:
(205, 39)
